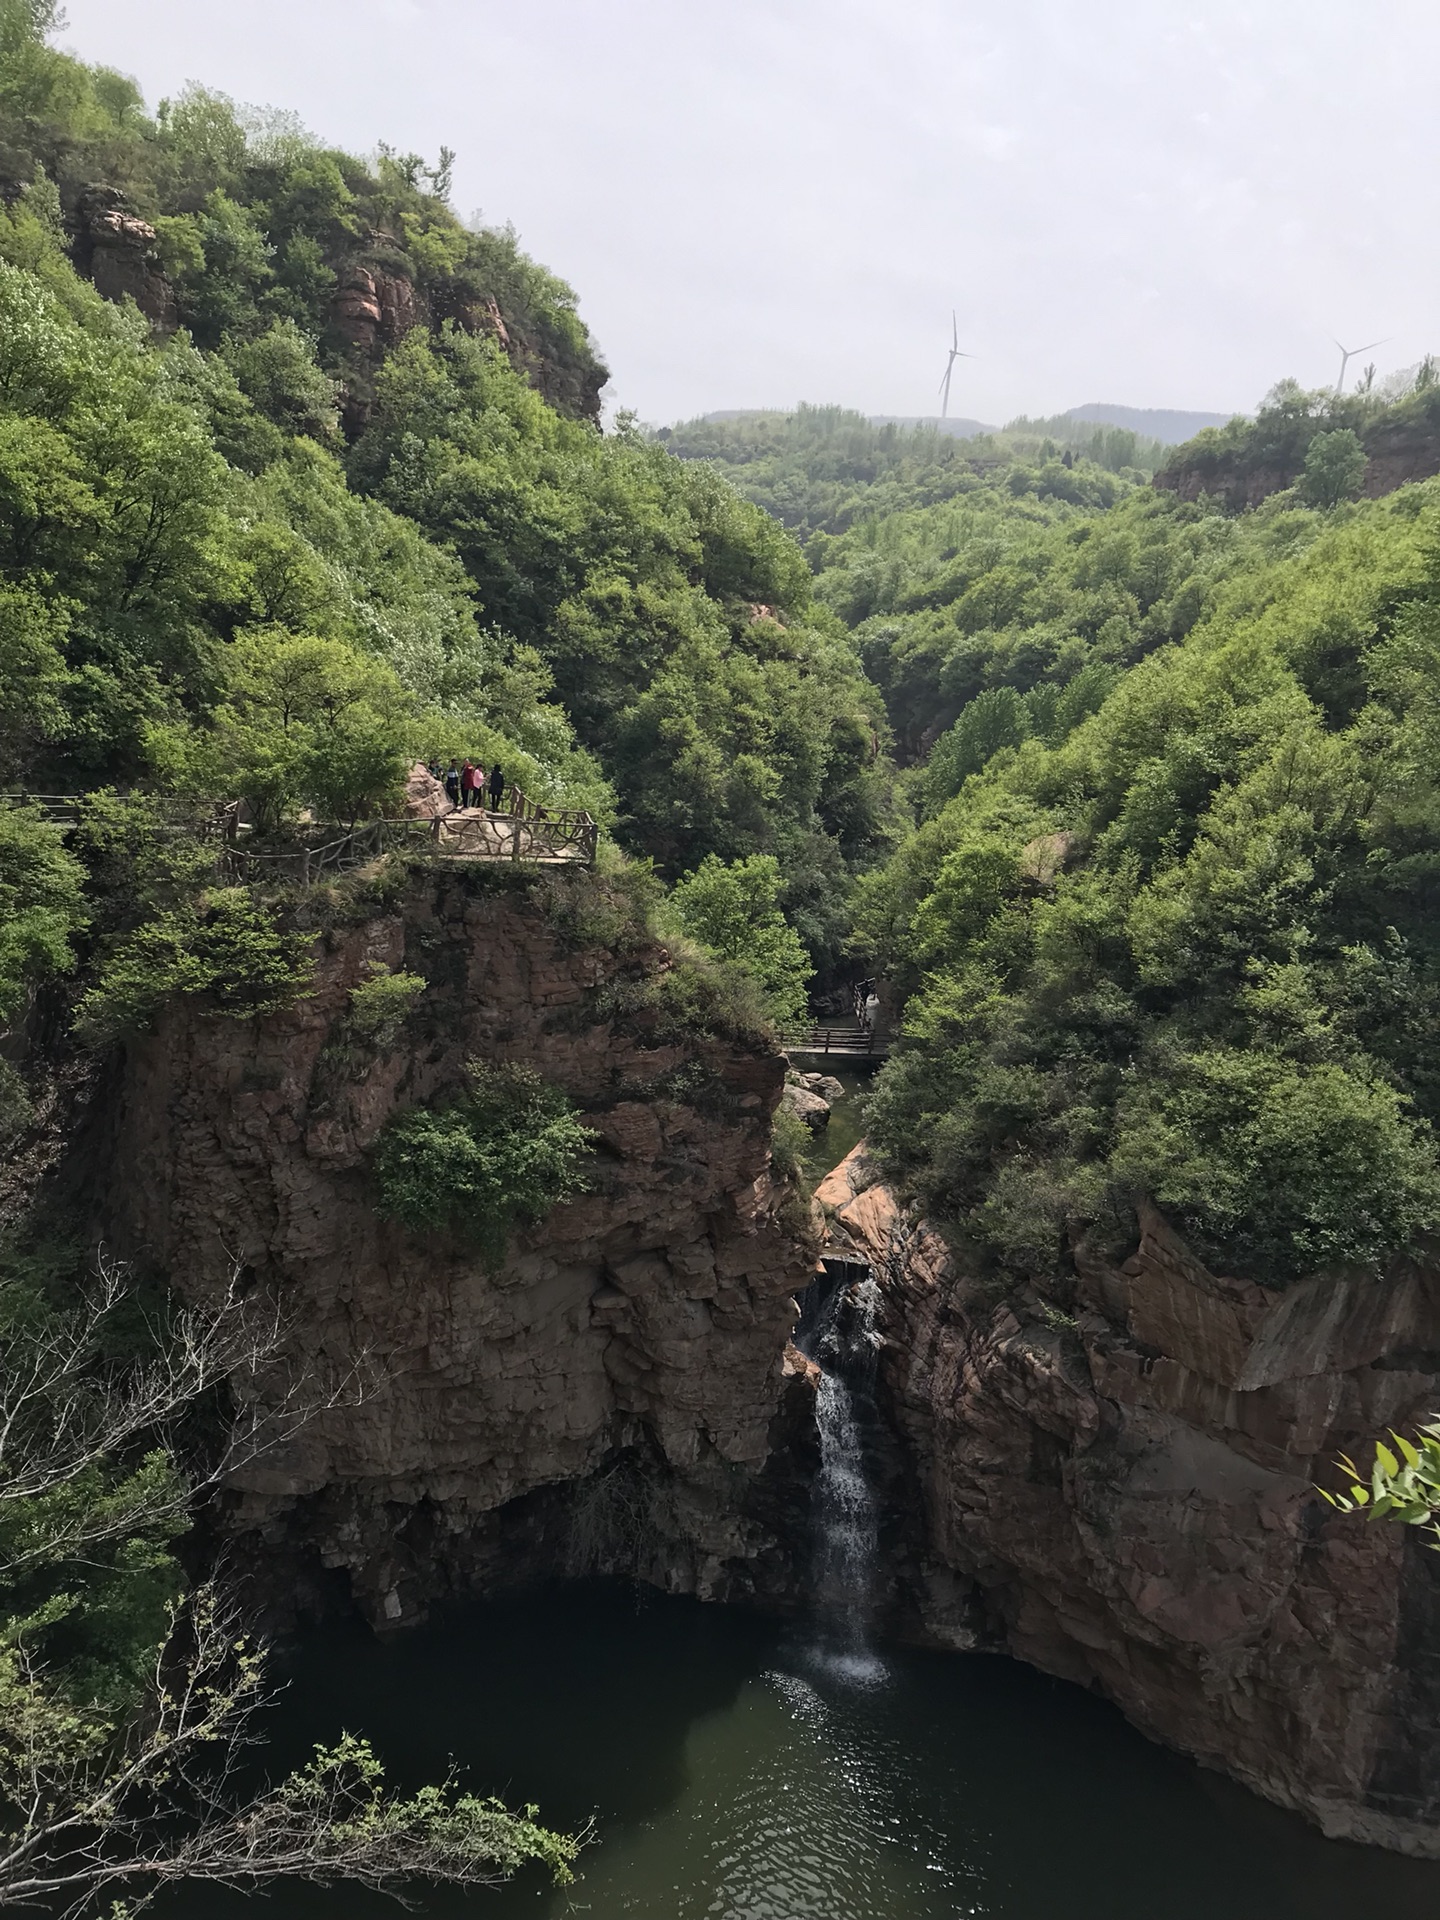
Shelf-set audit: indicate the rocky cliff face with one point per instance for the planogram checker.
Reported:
(116, 250)
(1397, 452)
(605, 1397)
(1121, 1491)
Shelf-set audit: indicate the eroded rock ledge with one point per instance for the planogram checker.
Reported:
(605, 1398)
(1121, 1491)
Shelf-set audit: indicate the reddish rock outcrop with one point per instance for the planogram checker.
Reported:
(117, 251)
(1121, 1491)
(602, 1397)
(373, 310)
(1396, 452)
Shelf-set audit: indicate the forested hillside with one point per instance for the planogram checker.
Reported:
(1331, 445)
(1166, 926)
(823, 469)
(265, 481)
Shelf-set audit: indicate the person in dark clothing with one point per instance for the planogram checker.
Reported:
(497, 787)
(452, 784)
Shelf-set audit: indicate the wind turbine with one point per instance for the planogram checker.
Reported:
(1347, 354)
(956, 354)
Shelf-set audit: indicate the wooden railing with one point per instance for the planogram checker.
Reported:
(472, 834)
(839, 1042)
(520, 832)
(60, 809)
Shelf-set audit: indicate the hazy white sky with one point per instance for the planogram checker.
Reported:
(763, 201)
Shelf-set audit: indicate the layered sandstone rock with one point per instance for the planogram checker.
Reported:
(1121, 1490)
(373, 310)
(605, 1396)
(116, 250)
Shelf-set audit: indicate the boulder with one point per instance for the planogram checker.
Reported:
(425, 796)
(814, 1111)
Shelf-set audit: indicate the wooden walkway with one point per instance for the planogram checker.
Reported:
(847, 1040)
(523, 833)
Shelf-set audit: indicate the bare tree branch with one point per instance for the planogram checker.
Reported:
(93, 1449)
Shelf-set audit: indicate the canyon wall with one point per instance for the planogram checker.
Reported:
(602, 1399)
(1120, 1489)
(1116, 1485)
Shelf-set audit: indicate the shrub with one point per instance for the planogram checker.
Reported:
(228, 947)
(1334, 468)
(41, 907)
(732, 911)
(379, 1005)
(1288, 1168)
(789, 1143)
(508, 1149)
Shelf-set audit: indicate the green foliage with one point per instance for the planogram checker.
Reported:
(346, 1783)
(732, 911)
(380, 1005)
(228, 947)
(506, 1150)
(675, 619)
(1404, 1485)
(1187, 949)
(300, 719)
(825, 469)
(1238, 465)
(790, 1143)
(1334, 468)
(1289, 1166)
(41, 905)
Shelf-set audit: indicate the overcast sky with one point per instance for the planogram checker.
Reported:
(765, 201)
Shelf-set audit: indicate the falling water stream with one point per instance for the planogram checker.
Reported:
(844, 1516)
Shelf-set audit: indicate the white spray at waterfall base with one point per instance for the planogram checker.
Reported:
(844, 1515)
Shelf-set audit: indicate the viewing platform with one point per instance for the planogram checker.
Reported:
(522, 833)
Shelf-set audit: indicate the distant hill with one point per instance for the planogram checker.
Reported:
(956, 429)
(1168, 424)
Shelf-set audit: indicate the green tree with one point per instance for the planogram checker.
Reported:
(1334, 468)
(42, 906)
(226, 946)
(124, 1701)
(301, 720)
(732, 910)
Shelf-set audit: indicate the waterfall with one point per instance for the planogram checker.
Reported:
(845, 1520)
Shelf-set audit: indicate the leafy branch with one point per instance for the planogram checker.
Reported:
(1403, 1487)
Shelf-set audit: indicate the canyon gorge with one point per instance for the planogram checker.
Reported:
(1116, 1485)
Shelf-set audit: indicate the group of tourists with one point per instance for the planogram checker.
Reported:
(467, 784)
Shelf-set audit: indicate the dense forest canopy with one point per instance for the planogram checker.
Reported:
(1186, 948)
(1165, 928)
(823, 469)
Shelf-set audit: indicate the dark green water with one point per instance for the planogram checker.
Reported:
(732, 1778)
(847, 1117)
